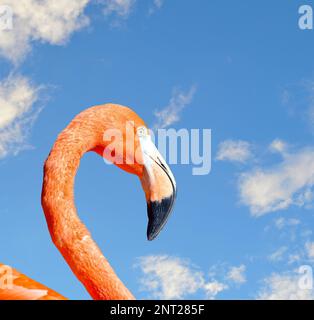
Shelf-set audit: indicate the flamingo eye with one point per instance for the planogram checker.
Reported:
(141, 131)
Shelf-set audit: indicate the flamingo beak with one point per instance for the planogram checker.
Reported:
(158, 211)
(160, 188)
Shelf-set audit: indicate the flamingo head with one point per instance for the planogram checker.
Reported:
(136, 153)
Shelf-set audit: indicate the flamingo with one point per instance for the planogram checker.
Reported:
(86, 133)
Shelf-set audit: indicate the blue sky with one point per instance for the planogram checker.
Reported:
(239, 232)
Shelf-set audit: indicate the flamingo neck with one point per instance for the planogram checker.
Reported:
(68, 233)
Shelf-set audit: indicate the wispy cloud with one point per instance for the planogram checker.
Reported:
(310, 250)
(17, 113)
(282, 222)
(295, 239)
(294, 258)
(284, 286)
(166, 277)
(277, 187)
(279, 146)
(156, 5)
(278, 254)
(171, 113)
(121, 8)
(237, 274)
(299, 101)
(234, 151)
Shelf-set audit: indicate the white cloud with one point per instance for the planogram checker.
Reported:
(213, 288)
(310, 250)
(234, 151)
(282, 222)
(121, 8)
(46, 21)
(17, 97)
(237, 274)
(289, 183)
(278, 146)
(284, 287)
(168, 277)
(51, 22)
(278, 254)
(171, 113)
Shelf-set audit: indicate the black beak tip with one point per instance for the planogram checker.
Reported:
(150, 236)
(158, 213)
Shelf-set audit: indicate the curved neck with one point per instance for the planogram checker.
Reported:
(68, 233)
